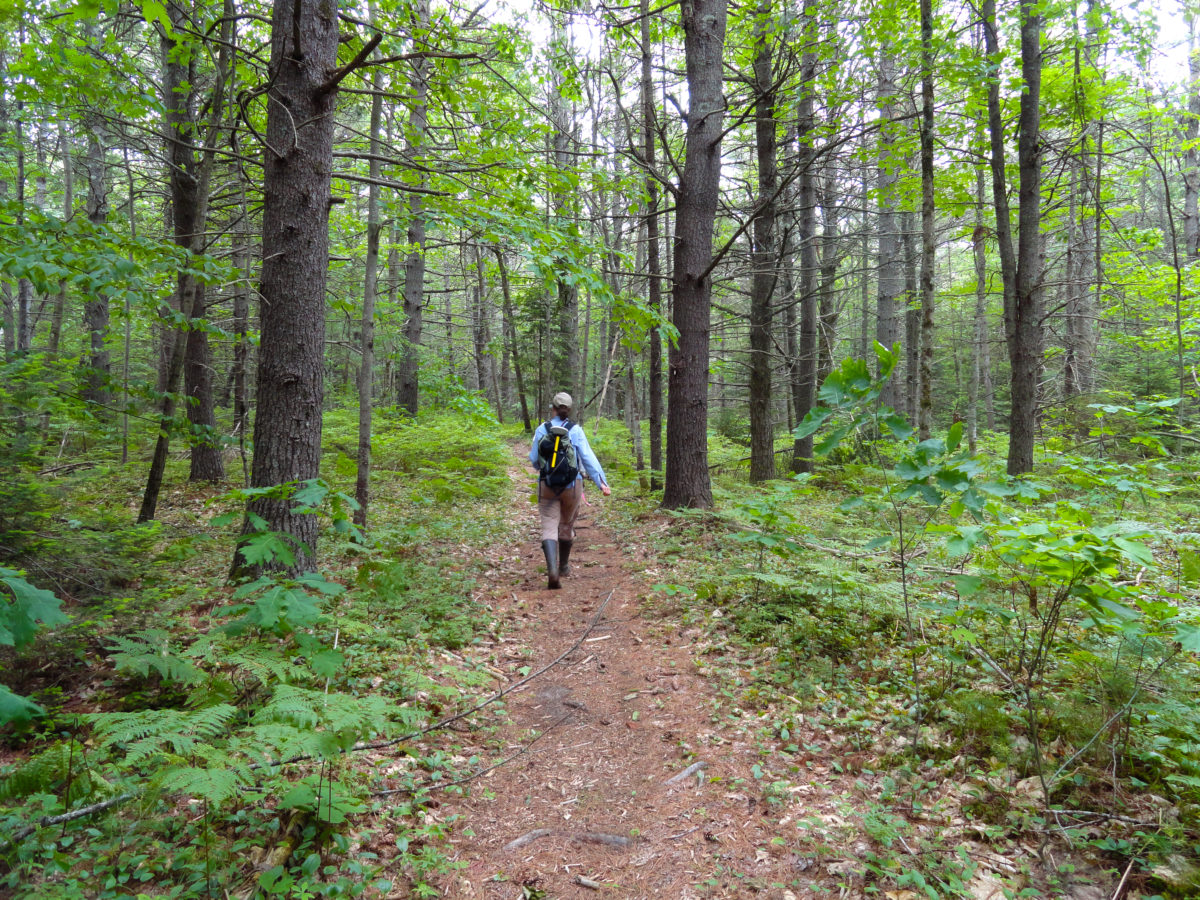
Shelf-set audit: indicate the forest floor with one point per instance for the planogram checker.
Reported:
(629, 774)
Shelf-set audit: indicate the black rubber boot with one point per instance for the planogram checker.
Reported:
(550, 548)
(564, 553)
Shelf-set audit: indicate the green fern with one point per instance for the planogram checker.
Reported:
(151, 651)
(154, 731)
(48, 772)
(216, 783)
(341, 716)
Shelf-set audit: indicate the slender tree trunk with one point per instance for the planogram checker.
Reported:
(928, 246)
(565, 350)
(1004, 242)
(806, 232)
(366, 368)
(408, 376)
(189, 176)
(1191, 135)
(687, 479)
(653, 257)
(296, 195)
(891, 251)
(9, 312)
(60, 297)
(24, 285)
(97, 369)
(829, 311)
(912, 319)
(762, 432)
(1023, 325)
(510, 330)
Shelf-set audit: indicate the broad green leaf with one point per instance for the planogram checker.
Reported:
(967, 585)
(16, 709)
(954, 437)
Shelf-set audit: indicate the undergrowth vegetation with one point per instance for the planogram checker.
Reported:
(200, 738)
(1020, 653)
(1002, 668)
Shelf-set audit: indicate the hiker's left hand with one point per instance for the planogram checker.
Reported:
(605, 489)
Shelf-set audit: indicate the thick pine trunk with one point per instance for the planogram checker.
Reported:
(687, 479)
(296, 195)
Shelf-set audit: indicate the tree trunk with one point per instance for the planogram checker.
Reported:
(60, 297)
(296, 195)
(891, 252)
(366, 368)
(653, 258)
(1008, 262)
(97, 370)
(189, 176)
(510, 330)
(1191, 134)
(806, 232)
(687, 480)
(408, 375)
(1023, 326)
(912, 319)
(564, 351)
(928, 247)
(762, 288)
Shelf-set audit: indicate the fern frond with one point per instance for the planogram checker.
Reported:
(151, 651)
(264, 664)
(347, 717)
(48, 773)
(215, 783)
(152, 731)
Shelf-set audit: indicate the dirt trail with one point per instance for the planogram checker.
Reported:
(589, 809)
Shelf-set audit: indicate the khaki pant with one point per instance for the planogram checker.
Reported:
(559, 511)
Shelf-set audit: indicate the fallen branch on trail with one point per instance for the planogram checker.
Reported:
(690, 770)
(619, 841)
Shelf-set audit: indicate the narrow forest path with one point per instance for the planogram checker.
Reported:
(589, 808)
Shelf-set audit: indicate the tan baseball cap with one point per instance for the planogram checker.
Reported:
(562, 398)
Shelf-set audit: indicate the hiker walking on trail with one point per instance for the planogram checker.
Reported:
(562, 456)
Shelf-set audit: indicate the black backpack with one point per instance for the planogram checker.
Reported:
(556, 457)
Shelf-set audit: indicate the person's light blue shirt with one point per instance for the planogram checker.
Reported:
(583, 451)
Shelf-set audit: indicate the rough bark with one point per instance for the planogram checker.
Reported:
(58, 312)
(763, 256)
(189, 173)
(296, 195)
(97, 368)
(408, 374)
(890, 251)
(510, 332)
(1023, 325)
(928, 247)
(565, 349)
(366, 368)
(806, 237)
(1004, 241)
(1191, 133)
(653, 255)
(687, 479)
